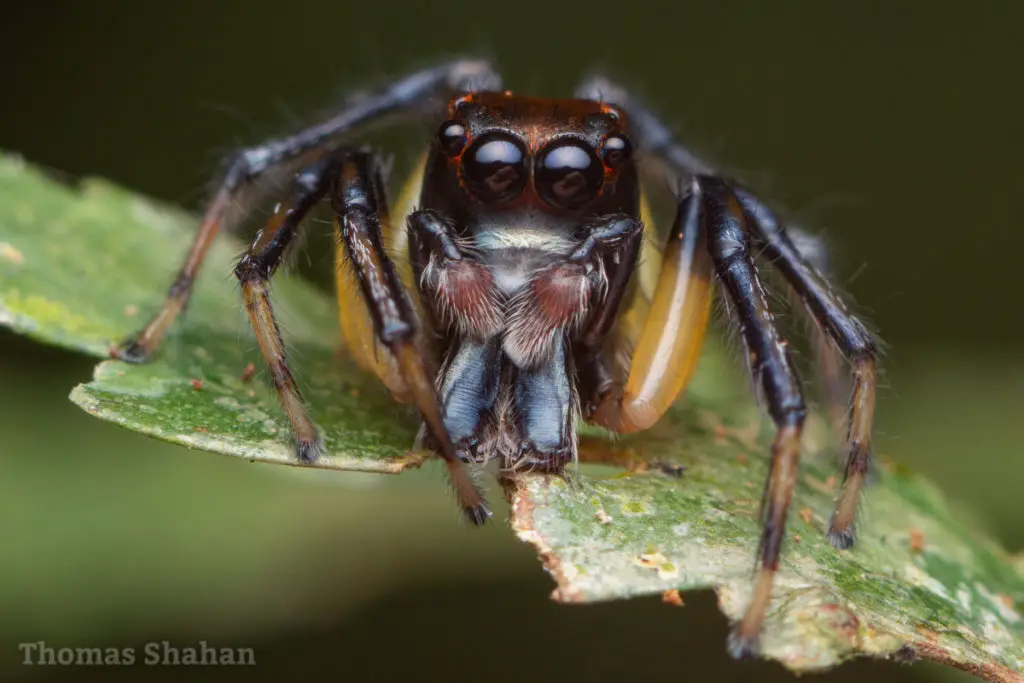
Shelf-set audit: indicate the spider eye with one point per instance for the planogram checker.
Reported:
(494, 168)
(452, 137)
(616, 151)
(568, 175)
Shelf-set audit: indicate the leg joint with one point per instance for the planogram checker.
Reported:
(248, 269)
(395, 331)
(790, 414)
(181, 286)
(608, 236)
(245, 164)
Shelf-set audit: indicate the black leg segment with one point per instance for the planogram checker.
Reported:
(354, 197)
(254, 271)
(776, 377)
(856, 344)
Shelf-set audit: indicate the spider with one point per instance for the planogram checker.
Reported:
(535, 297)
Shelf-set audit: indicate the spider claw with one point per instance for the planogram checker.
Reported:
(130, 351)
(477, 514)
(308, 452)
(669, 469)
(841, 539)
(742, 646)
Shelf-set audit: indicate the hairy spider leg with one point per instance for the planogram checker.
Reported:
(355, 321)
(829, 360)
(848, 334)
(857, 346)
(357, 197)
(830, 315)
(405, 95)
(254, 271)
(774, 374)
(352, 181)
(354, 318)
(853, 340)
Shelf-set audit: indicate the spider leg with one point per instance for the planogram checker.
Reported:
(853, 340)
(666, 353)
(829, 312)
(359, 338)
(773, 371)
(659, 143)
(405, 95)
(356, 199)
(833, 384)
(460, 293)
(254, 271)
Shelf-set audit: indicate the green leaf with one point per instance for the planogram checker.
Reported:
(919, 584)
(81, 267)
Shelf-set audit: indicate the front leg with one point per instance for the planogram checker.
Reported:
(460, 293)
(355, 198)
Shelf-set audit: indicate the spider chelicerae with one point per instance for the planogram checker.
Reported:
(529, 289)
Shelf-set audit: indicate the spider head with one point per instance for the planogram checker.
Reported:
(496, 152)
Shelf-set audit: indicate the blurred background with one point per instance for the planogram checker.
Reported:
(891, 128)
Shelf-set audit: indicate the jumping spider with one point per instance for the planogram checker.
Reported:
(526, 252)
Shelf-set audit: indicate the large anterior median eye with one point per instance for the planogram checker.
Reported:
(494, 168)
(568, 174)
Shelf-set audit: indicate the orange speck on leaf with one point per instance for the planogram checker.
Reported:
(249, 371)
(673, 597)
(916, 541)
(197, 384)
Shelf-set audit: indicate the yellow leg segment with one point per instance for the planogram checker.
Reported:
(666, 352)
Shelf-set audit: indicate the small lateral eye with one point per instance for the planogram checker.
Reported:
(494, 168)
(616, 151)
(568, 174)
(452, 137)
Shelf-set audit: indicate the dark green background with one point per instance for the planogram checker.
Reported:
(892, 128)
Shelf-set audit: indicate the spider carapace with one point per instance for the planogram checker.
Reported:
(527, 290)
